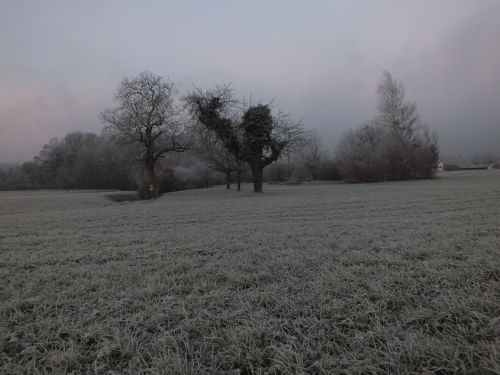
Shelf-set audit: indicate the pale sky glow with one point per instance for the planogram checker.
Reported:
(61, 61)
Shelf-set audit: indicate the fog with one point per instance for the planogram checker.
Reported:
(62, 61)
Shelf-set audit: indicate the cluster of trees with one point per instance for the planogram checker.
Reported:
(79, 160)
(13, 177)
(249, 136)
(395, 145)
(308, 160)
(150, 118)
(155, 141)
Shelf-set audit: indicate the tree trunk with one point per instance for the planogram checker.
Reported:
(228, 180)
(239, 173)
(258, 177)
(153, 188)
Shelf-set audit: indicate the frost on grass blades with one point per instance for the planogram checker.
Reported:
(386, 278)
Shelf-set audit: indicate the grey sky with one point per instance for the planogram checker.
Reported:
(61, 61)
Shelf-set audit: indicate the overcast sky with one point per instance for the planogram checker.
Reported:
(320, 61)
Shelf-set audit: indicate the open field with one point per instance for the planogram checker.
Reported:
(385, 278)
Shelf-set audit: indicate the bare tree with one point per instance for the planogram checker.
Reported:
(214, 155)
(49, 160)
(294, 136)
(360, 154)
(218, 108)
(312, 153)
(146, 115)
(396, 145)
(394, 111)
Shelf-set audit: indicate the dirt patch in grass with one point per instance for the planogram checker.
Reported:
(123, 197)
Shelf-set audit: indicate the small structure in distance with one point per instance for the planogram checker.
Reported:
(462, 164)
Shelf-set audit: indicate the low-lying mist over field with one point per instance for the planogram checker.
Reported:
(386, 278)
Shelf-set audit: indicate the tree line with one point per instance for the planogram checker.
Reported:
(155, 141)
(77, 161)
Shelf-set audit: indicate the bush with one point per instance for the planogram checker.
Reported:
(374, 153)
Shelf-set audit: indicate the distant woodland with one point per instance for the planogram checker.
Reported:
(154, 141)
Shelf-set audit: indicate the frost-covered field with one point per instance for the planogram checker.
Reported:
(383, 278)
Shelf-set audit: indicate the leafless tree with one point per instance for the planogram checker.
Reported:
(360, 154)
(312, 153)
(394, 111)
(396, 145)
(147, 116)
(217, 157)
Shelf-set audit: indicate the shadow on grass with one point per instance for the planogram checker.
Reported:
(123, 197)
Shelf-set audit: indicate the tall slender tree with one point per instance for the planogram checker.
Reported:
(395, 145)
